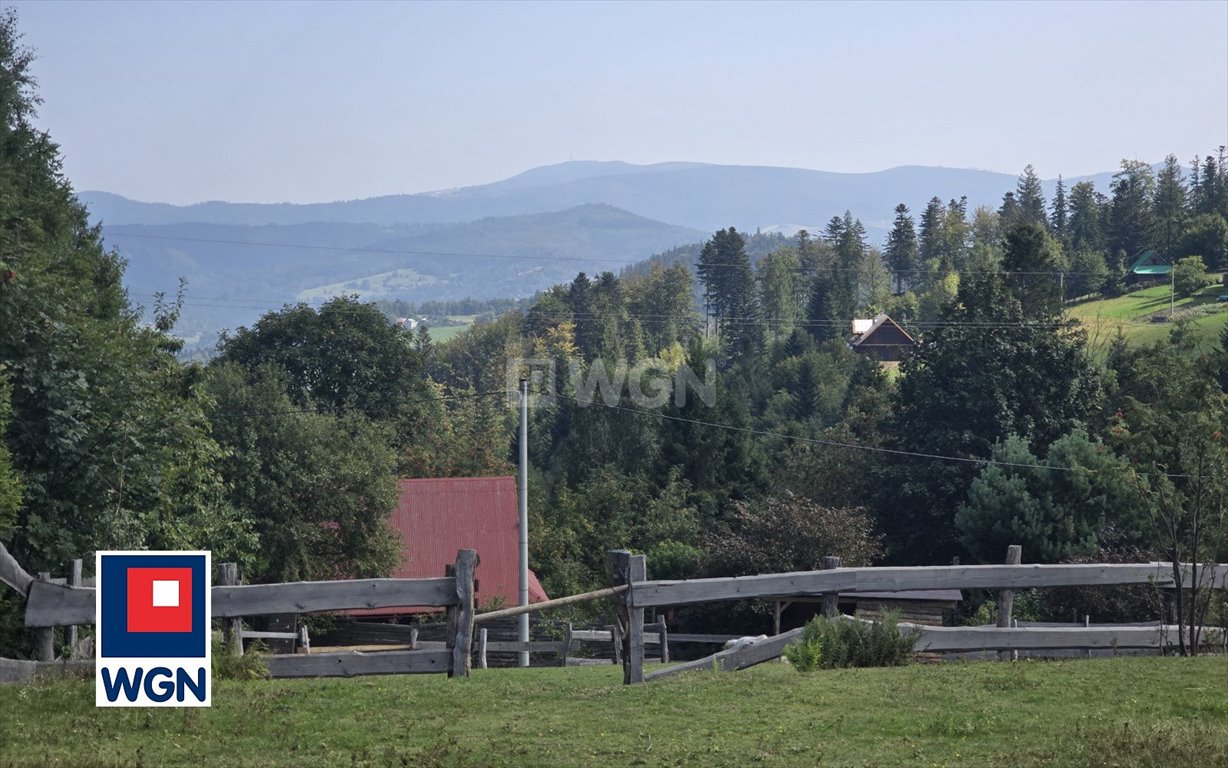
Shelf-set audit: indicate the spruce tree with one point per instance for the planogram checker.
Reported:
(1031, 198)
(1058, 216)
(902, 249)
(1170, 207)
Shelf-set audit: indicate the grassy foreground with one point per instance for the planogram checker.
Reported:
(1103, 712)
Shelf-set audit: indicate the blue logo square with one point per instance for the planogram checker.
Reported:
(115, 611)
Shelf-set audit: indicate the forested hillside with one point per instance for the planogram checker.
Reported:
(281, 453)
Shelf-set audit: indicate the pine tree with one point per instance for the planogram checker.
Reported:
(902, 249)
(1031, 198)
(1057, 217)
(1009, 213)
(1131, 219)
(1085, 233)
(1170, 207)
(820, 319)
(729, 287)
(929, 242)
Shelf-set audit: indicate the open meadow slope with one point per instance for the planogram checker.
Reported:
(1133, 314)
(1126, 712)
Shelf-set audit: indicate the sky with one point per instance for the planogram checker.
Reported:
(306, 102)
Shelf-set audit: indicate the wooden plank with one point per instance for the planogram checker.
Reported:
(353, 664)
(1005, 639)
(518, 646)
(482, 648)
(308, 596)
(12, 573)
(23, 670)
(462, 646)
(51, 605)
(733, 659)
(768, 586)
(683, 637)
(1006, 597)
(248, 634)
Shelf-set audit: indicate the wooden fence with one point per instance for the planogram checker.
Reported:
(50, 605)
(640, 593)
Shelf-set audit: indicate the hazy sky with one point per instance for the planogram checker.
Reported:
(184, 102)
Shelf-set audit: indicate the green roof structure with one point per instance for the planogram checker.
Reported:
(1151, 263)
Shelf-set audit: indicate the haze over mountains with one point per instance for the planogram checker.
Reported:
(510, 238)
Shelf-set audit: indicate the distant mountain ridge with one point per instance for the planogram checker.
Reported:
(696, 195)
(235, 273)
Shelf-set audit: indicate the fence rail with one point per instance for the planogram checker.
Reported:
(50, 605)
(650, 594)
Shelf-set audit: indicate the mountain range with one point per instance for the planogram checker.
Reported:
(509, 238)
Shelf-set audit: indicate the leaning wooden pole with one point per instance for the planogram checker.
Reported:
(558, 602)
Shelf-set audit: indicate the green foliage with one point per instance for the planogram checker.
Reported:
(107, 431)
(1055, 508)
(790, 533)
(251, 665)
(984, 374)
(10, 484)
(837, 642)
(807, 653)
(1190, 276)
(1206, 235)
(1033, 263)
(317, 488)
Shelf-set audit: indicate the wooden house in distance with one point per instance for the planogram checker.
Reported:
(881, 339)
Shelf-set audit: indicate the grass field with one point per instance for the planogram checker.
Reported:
(1103, 712)
(1133, 312)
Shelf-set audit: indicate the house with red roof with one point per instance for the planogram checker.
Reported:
(437, 516)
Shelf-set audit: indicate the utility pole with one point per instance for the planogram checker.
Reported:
(1172, 292)
(524, 516)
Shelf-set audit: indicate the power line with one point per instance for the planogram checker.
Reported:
(835, 443)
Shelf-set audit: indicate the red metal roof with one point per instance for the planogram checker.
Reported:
(438, 516)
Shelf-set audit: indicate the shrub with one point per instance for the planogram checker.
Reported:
(227, 666)
(833, 643)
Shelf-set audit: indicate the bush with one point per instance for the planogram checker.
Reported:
(834, 643)
(227, 666)
(1190, 276)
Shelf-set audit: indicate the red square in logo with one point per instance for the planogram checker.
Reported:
(159, 599)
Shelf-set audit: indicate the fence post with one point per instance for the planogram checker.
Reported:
(413, 639)
(831, 606)
(45, 636)
(566, 647)
(1006, 597)
(74, 580)
(232, 628)
(616, 638)
(628, 569)
(462, 645)
(482, 648)
(664, 633)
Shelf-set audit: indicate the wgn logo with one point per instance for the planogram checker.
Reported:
(153, 629)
